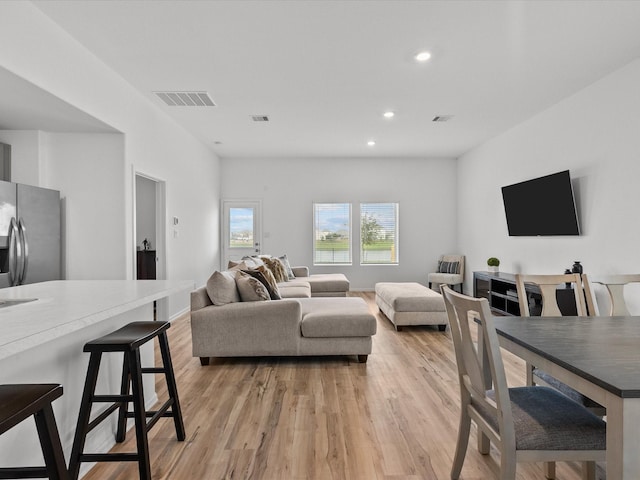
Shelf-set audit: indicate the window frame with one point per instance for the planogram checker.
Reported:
(348, 225)
(395, 247)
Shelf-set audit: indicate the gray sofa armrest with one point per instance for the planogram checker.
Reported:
(246, 328)
(300, 271)
(200, 299)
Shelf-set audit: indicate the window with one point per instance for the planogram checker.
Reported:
(378, 233)
(331, 233)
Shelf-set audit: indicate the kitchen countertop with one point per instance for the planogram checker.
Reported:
(65, 306)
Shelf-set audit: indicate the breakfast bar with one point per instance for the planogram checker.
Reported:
(43, 328)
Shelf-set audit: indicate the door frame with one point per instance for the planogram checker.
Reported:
(161, 224)
(224, 230)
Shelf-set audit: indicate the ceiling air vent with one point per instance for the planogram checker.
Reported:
(186, 99)
(442, 118)
(259, 118)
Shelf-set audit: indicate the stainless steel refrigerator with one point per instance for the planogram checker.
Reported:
(29, 234)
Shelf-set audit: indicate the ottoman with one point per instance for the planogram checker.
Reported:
(410, 303)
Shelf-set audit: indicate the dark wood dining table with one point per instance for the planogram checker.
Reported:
(599, 357)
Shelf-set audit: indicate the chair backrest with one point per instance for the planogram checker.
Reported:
(454, 258)
(462, 309)
(614, 286)
(548, 285)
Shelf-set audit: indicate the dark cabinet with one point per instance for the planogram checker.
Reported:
(146, 265)
(500, 290)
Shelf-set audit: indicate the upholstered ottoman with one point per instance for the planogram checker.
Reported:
(411, 303)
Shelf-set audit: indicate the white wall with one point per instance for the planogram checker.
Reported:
(48, 57)
(425, 189)
(594, 134)
(25, 155)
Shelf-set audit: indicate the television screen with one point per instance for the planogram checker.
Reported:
(541, 206)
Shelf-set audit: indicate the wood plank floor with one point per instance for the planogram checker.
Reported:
(395, 417)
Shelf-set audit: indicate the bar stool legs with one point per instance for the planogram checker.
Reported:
(19, 402)
(127, 340)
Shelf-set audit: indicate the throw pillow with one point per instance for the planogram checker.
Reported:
(271, 281)
(448, 267)
(237, 265)
(259, 274)
(222, 289)
(276, 267)
(287, 267)
(251, 289)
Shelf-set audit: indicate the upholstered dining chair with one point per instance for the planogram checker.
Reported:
(548, 285)
(450, 271)
(526, 424)
(614, 287)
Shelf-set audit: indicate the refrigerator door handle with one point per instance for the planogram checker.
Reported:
(22, 230)
(14, 252)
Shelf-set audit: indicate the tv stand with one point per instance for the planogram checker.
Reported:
(500, 290)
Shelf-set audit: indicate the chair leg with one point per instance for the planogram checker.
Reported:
(50, 442)
(588, 470)
(84, 415)
(171, 385)
(139, 414)
(121, 432)
(461, 446)
(507, 465)
(550, 470)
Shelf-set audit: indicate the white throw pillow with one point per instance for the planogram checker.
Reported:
(222, 289)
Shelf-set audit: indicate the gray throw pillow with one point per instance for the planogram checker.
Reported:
(222, 289)
(287, 267)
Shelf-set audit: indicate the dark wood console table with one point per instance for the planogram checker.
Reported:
(500, 290)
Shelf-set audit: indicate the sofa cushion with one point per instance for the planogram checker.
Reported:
(294, 289)
(251, 289)
(410, 297)
(336, 317)
(327, 282)
(221, 288)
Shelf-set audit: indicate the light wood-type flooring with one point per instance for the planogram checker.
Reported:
(322, 418)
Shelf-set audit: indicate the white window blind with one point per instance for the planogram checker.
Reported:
(331, 233)
(379, 233)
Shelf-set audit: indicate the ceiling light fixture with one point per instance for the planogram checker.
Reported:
(388, 114)
(422, 56)
(371, 143)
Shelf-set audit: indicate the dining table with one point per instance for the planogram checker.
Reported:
(597, 356)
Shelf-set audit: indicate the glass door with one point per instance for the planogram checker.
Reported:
(242, 233)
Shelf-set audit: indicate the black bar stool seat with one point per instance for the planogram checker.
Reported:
(21, 401)
(128, 340)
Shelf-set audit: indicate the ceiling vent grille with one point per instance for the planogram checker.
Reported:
(259, 118)
(186, 99)
(442, 118)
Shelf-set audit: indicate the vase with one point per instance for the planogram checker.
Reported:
(577, 268)
(493, 269)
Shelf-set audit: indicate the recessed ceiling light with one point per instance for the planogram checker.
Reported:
(371, 143)
(388, 114)
(423, 56)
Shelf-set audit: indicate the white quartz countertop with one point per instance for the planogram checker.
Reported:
(65, 306)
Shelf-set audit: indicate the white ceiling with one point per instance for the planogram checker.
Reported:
(325, 71)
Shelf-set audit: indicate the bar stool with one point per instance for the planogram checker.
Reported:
(128, 340)
(19, 402)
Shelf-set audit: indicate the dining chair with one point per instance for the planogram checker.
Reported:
(526, 424)
(614, 287)
(548, 284)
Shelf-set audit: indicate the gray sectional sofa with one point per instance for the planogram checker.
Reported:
(296, 325)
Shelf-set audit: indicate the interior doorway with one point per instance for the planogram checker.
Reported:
(149, 228)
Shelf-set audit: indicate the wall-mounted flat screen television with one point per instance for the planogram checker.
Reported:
(542, 206)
